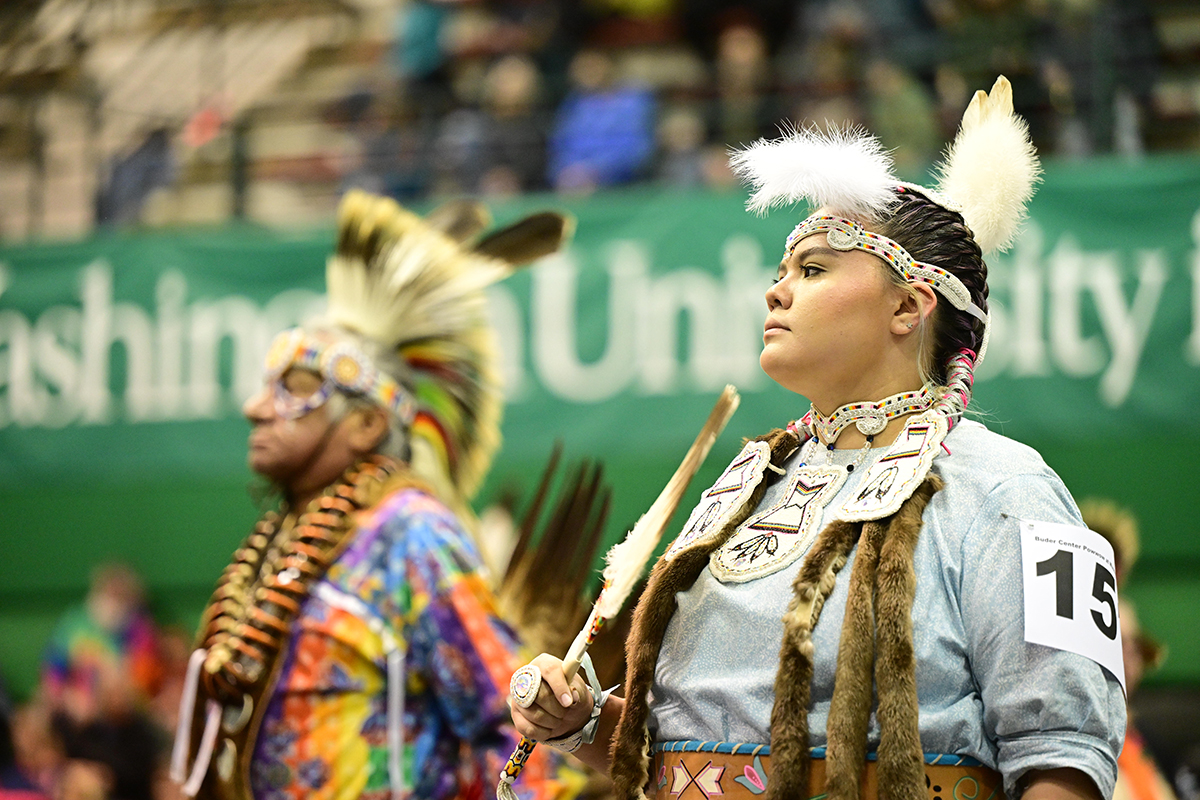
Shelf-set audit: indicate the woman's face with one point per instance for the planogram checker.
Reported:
(830, 320)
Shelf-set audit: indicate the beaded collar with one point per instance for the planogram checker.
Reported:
(869, 418)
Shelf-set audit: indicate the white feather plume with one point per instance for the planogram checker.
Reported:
(626, 560)
(991, 167)
(846, 171)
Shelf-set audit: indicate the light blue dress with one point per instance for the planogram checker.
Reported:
(983, 691)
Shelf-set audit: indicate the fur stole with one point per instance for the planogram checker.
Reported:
(631, 744)
(876, 648)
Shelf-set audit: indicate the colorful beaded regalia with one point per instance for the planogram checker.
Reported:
(406, 330)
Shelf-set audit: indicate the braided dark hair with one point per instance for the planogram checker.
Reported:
(938, 236)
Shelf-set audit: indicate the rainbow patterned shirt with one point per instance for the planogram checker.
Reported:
(408, 582)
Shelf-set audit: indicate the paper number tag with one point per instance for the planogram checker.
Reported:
(1071, 593)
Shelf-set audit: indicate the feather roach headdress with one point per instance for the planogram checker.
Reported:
(417, 287)
(987, 174)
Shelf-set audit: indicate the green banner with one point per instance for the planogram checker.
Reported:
(124, 360)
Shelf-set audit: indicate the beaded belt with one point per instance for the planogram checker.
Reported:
(702, 770)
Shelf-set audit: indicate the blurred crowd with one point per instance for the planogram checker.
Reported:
(100, 724)
(510, 95)
(498, 97)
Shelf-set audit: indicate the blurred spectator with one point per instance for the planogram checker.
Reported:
(743, 74)
(85, 780)
(110, 642)
(717, 172)
(904, 32)
(418, 52)
(681, 134)
(103, 667)
(436, 40)
(494, 142)
(1138, 776)
(704, 21)
(37, 751)
(458, 151)
(980, 40)
(133, 177)
(419, 57)
(15, 784)
(903, 116)
(515, 142)
(388, 143)
(1099, 63)
(1119, 527)
(821, 63)
(175, 648)
(118, 751)
(603, 134)
(1187, 776)
(622, 24)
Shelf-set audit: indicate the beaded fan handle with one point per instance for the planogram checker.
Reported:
(520, 754)
(626, 562)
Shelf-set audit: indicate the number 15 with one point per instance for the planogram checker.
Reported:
(1062, 564)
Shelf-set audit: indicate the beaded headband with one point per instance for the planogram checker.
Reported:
(341, 365)
(843, 234)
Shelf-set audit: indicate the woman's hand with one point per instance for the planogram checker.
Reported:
(560, 708)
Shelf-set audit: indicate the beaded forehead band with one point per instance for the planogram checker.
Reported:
(843, 234)
(341, 365)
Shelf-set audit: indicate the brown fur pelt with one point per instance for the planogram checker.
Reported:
(631, 748)
(877, 637)
(793, 682)
(901, 764)
(851, 702)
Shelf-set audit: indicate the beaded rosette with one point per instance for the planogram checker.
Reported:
(524, 685)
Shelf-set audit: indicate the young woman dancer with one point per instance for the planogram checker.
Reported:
(842, 613)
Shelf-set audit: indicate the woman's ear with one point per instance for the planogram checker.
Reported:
(915, 307)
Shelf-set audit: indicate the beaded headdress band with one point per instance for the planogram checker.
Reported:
(341, 365)
(987, 175)
(844, 234)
